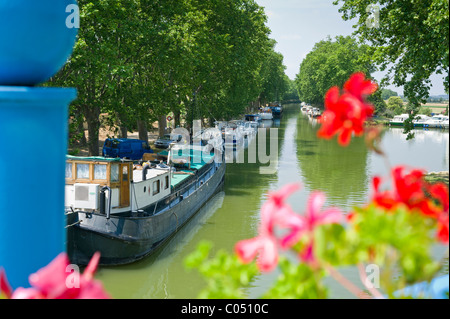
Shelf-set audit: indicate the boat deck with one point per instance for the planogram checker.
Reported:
(183, 171)
(179, 178)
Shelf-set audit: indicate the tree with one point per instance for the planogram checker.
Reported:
(291, 93)
(137, 60)
(386, 94)
(330, 63)
(410, 40)
(235, 45)
(274, 79)
(102, 60)
(395, 105)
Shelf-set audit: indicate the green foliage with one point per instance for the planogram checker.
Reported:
(275, 81)
(291, 93)
(330, 63)
(227, 278)
(425, 111)
(378, 102)
(395, 104)
(297, 281)
(398, 239)
(411, 42)
(139, 60)
(386, 94)
(398, 242)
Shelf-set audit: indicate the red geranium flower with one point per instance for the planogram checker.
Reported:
(359, 87)
(345, 114)
(442, 228)
(412, 190)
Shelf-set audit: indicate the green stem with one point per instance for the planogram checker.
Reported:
(370, 288)
(345, 282)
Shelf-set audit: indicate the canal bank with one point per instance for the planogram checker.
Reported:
(342, 173)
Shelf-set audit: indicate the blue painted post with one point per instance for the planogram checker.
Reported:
(35, 42)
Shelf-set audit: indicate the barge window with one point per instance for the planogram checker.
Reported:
(114, 173)
(99, 171)
(124, 173)
(83, 171)
(68, 170)
(167, 182)
(156, 185)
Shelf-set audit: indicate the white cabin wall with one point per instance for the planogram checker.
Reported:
(142, 198)
(144, 191)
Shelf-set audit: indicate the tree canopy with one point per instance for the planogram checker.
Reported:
(330, 63)
(408, 38)
(386, 94)
(138, 60)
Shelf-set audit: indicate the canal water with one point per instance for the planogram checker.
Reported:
(344, 174)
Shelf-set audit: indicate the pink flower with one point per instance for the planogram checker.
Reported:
(307, 255)
(265, 244)
(54, 282)
(305, 225)
(275, 211)
(5, 288)
(314, 217)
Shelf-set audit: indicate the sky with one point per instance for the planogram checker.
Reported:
(298, 24)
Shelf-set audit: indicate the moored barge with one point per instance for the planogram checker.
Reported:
(127, 211)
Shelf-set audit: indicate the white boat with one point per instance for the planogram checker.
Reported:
(398, 120)
(232, 134)
(306, 108)
(314, 112)
(249, 128)
(266, 114)
(436, 121)
(420, 120)
(252, 117)
(445, 123)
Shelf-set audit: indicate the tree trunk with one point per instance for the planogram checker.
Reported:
(123, 131)
(176, 116)
(162, 125)
(93, 121)
(80, 127)
(142, 129)
(93, 143)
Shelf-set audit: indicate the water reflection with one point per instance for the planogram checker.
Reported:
(429, 150)
(340, 172)
(154, 277)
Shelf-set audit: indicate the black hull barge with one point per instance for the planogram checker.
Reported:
(129, 218)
